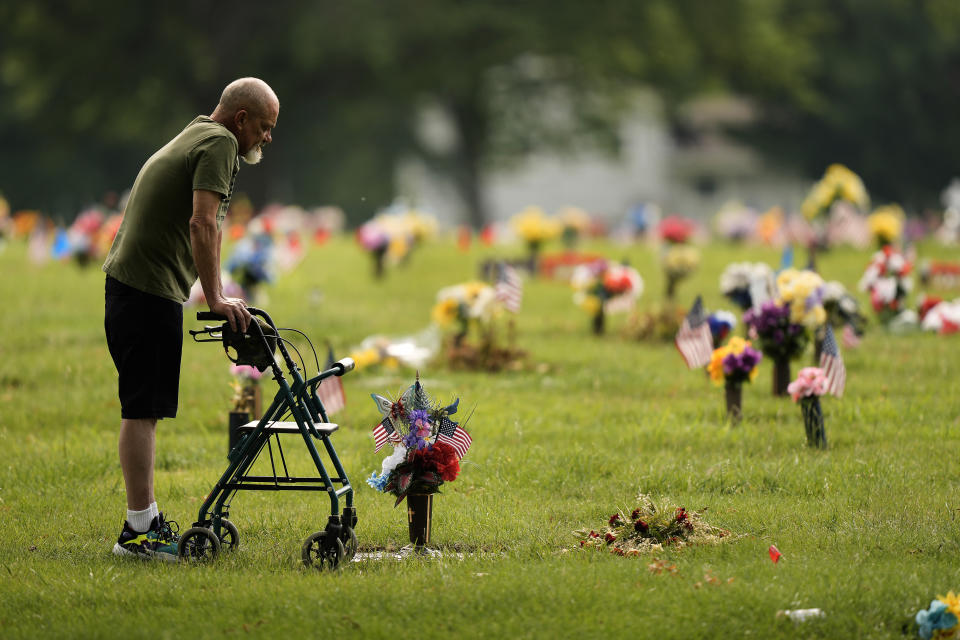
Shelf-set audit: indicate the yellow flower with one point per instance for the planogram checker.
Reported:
(533, 225)
(796, 287)
(952, 601)
(445, 312)
(838, 183)
(715, 368)
(886, 223)
(365, 358)
(575, 218)
(681, 259)
(588, 302)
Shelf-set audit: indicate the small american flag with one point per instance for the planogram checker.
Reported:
(383, 433)
(451, 433)
(832, 364)
(330, 390)
(694, 340)
(509, 288)
(850, 338)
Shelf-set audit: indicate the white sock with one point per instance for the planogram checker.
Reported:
(139, 521)
(154, 512)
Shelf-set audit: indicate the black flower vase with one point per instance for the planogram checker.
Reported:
(813, 422)
(781, 376)
(379, 254)
(419, 517)
(734, 395)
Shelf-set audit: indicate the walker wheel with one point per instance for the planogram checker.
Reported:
(349, 539)
(229, 536)
(198, 544)
(321, 553)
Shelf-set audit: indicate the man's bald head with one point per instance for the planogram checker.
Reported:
(251, 94)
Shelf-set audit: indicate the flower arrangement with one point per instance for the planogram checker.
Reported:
(811, 383)
(602, 287)
(535, 228)
(747, 284)
(842, 307)
(427, 444)
(575, 225)
(252, 262)
(735, 222)
(676, 229)
(373, 238)
(838, 184)
(941, 620)
(659, 323)
(779, 337)
(721, 324)
(650, 527)
(246, 389)
(474, 307)
(803, 291)
(734, 363)
(887, 281)
(679, 261)
(886, 224)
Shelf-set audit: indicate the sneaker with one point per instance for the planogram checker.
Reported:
(153, 544)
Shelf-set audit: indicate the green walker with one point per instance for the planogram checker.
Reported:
(296, 409)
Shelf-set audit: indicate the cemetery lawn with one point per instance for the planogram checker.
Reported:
(869, 529)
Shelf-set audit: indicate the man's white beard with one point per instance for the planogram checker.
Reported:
(253, 156)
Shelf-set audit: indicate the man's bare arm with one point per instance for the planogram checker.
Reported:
(205, 241)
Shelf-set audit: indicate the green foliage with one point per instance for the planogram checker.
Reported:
(868, 527)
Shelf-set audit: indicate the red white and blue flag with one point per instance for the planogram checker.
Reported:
(832, 364)
(694, 340)
(509, 288)
(450, 432)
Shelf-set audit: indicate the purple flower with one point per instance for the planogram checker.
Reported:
(413, 441)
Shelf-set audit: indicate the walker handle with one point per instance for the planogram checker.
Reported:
(209, 315)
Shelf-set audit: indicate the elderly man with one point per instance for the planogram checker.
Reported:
(170, 235)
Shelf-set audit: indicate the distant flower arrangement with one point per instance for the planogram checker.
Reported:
(721, 324)
(734, 363)
(887, 280)
(810, 382)
(747, 284)
(602, 286)
(535, 228)
(650, 527)
(679, 261)
(886, 224)
(803, 291)
(472, 309)
(676, 229)
(427, 444)
(778, 335)
(838, 184)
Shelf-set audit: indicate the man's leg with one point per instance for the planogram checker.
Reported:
(137, 452)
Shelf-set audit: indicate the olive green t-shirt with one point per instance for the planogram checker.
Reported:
(152, 250)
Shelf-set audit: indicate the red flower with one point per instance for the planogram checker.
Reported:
(641, 527)
(594, 534)
(442, 459)
(675, 229)
(609, 538)
(615, 520)
(635, 514)
(681, 514)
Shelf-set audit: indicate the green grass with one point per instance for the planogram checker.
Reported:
(870, 529)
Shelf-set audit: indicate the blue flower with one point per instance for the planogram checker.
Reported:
(378, 482)
(936, 617)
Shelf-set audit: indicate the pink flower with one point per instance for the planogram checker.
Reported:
(811, 381)
(245, 372)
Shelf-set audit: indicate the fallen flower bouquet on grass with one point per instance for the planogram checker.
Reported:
(650, 527)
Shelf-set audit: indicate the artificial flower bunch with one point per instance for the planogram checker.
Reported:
(941, 620)
(721, 324)
(780, 338)
(802, 289)
(747, 284)
(676, 229)
(466, 304)
(535, 228)
(838, 184)
(649, 527)
(735, 222)
(734, 363)
(427, 444)
(811, 382)
(842, 307)
(886, 224)
(679, 261)
(887, 280)
(604, 286)
(575, 225)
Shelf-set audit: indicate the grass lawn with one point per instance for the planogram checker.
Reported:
(869, 529)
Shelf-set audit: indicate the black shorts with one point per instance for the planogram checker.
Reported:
(145, 338)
